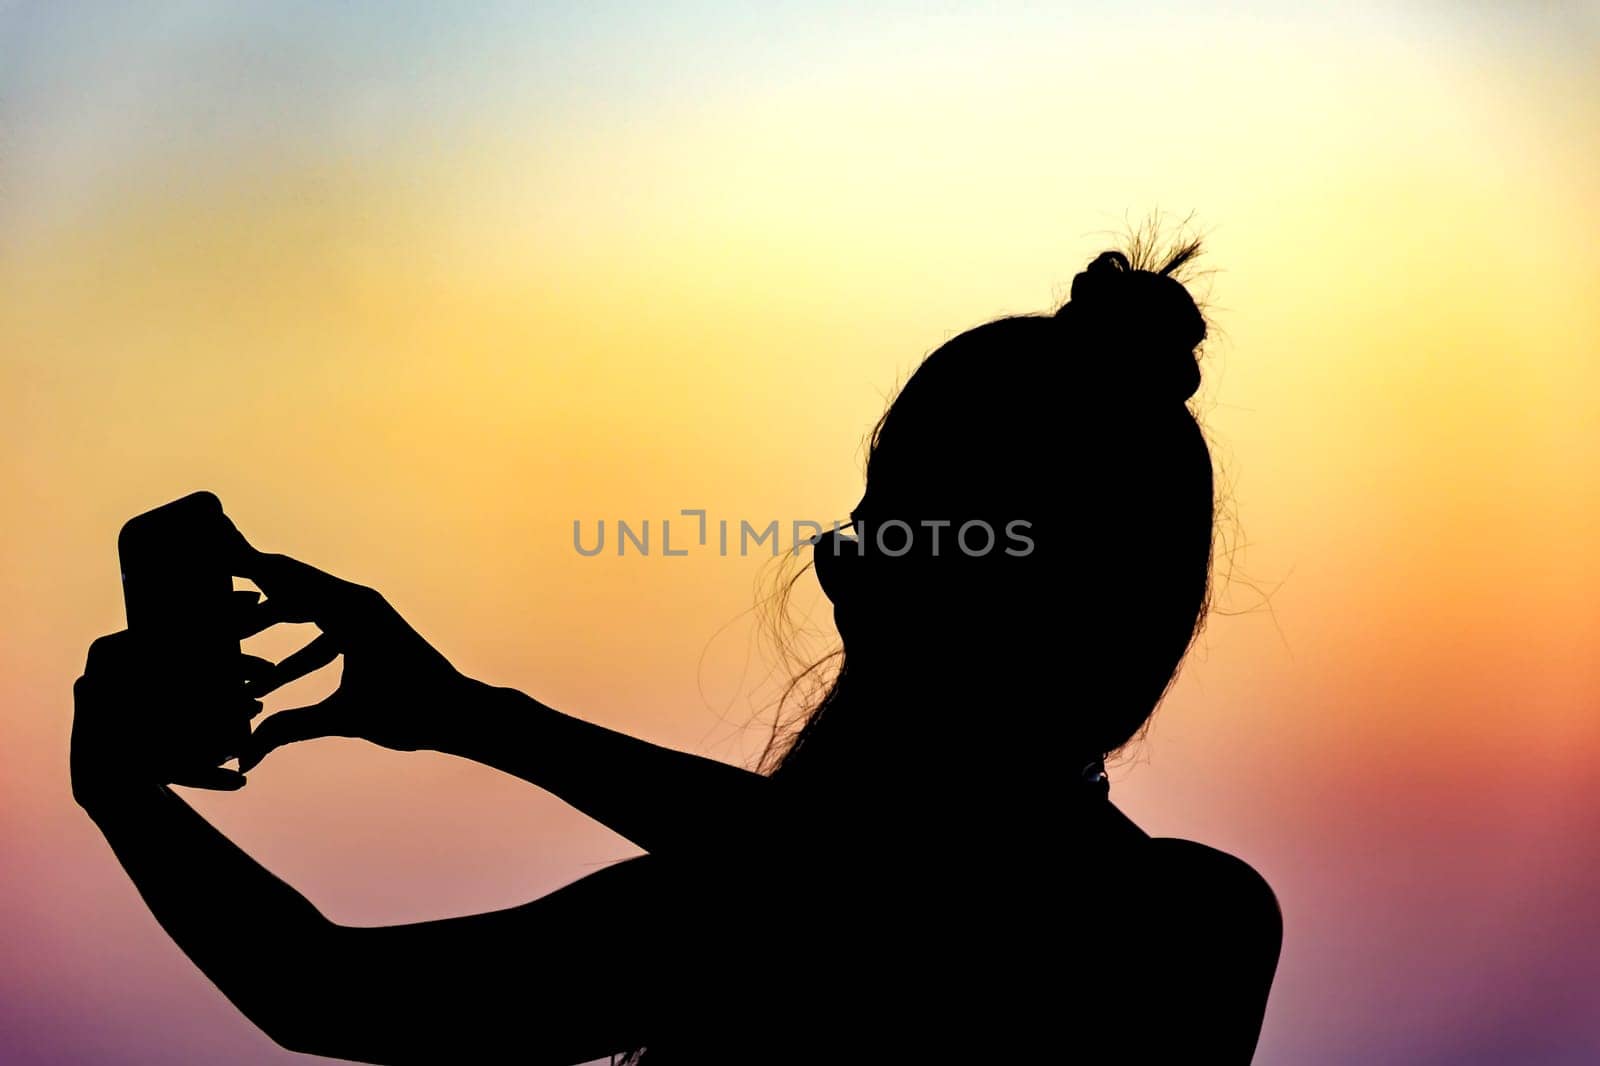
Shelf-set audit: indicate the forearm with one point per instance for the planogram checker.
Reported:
(657, 797)
(255, 937)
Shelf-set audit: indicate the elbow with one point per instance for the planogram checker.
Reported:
(309, 1028)
(286, 1026)
(293, 994)
(291, 1021)
(332, 1002)
(290, 1039)
(309, 1042)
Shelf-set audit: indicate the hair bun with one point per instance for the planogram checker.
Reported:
(1142, 324)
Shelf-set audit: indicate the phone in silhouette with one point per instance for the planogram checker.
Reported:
(177, 589)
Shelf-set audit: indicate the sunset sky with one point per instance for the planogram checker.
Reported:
(413, 287)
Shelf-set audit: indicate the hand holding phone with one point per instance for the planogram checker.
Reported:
(177, 585)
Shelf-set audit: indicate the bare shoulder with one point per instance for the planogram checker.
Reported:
(1231, 891)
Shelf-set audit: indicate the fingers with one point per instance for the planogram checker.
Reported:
(278, 574)
(323, 719)
(120, 730)
(251, 615)
(215, 778)
(314, 656)
(297, 592)
(283, 607)
(253, 618)
(254, 670)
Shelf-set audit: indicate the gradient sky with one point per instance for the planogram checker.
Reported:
(471, 272)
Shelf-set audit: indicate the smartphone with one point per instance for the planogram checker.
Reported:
(177, 589)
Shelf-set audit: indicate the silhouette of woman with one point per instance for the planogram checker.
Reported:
(929, 868)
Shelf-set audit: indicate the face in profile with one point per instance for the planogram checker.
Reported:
(1038, 512)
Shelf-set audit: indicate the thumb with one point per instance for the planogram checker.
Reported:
(323, 719)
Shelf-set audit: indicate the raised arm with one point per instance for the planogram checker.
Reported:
(568, 978)
(253, 935)
(539, 983)
(398, 691)
(658, 798)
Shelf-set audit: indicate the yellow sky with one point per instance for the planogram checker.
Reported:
(414, 344)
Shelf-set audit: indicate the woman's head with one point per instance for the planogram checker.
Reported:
(1037, 518)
